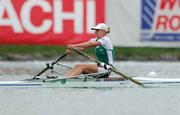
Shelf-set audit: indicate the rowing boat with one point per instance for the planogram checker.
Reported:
(53, 75)
(56, 79)
(111, 82)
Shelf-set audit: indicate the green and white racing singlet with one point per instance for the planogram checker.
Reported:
(104, 52)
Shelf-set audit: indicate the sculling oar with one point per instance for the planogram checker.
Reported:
(50, 66)
(112, 68)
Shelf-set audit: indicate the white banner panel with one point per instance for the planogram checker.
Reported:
(154, 23)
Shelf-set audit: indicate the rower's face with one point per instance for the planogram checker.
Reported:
(100, 33)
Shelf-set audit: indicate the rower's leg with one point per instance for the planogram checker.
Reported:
(80, 68)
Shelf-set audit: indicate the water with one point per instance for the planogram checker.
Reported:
(69, 101)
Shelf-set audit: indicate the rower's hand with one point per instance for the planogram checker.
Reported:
(70, 46)
(69, 49)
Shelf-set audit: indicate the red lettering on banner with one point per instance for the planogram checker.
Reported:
(38, 10)
(165, 22)
(169, 4)
(49, 21)
(162, 22)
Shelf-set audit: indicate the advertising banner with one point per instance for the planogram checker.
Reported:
(144, 23)
(133, 23)
(160, 20)
(49, 22)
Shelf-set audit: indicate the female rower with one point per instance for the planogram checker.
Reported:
(103, 49)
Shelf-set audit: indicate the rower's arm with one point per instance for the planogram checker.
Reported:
(85, 45)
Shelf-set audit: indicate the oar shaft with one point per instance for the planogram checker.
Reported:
(50, 66)
(111, 68)
(87, 56)
(61, 57)
(127, 77)
(45, 69)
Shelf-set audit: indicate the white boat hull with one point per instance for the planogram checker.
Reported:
(93, 83)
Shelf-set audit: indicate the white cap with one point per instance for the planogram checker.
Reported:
(101, 26)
